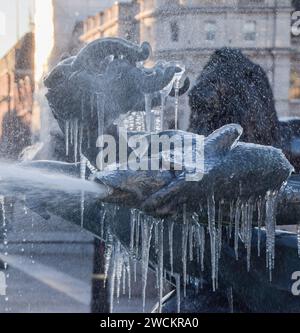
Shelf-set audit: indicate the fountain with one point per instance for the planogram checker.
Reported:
(233, 89)
(217, 212)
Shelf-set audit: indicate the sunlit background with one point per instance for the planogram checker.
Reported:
(44, 34)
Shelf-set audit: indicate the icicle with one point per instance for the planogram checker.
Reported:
(92, 105)
(270, 222)
(176, 106)
(2, 203)
(82, 201)
(137, 234)
(191, 239)
(219, 242)
(156, 237)
(248, 233)
(80, 138)
(132, 228)
(244, 210)
(236, 228)
(220, 221)
(124, 280)
(177, 278)
(137, 242)
(202, 247)
(184, 249)
(128, 279)
(83, 164)
(200, 241)
(156, 278)
(71, 131)
(88, 134)
(133, 222)
(160, 264)
(298, 238)
(102, 221)
(119, 269)
(107, 256)
(259, 224)
(197, 243)
(67, 129)
(148, 104)
(211, 213)
(231, 218)
(82, 106)
(75, 139)
(162, 110)
(146, 227)
(171, 231)
(112, 287)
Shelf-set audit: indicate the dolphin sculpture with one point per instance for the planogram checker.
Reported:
(230, 170)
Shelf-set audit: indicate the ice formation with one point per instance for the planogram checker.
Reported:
(146, 230)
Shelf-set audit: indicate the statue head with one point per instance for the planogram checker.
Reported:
(104, 80)
(233, 89)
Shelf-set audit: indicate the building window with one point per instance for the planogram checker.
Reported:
(249, 30)
(250, 2)
(174, 31)
(210, 30)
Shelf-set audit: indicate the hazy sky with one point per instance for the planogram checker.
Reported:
(8, 21)
(10, 29)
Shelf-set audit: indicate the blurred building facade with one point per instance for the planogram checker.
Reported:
(190, 30)
(16, 97)
(68, 17)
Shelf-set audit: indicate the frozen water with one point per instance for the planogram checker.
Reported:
(80, 138)
(270, 222)
(220, 224)
(177, 278)
(119, 269)
(202, 246)
(164, 93)
(75, 139)
(67, 129)
(176, 102)
(107, 255)
(236, 228)
(17, 177)
(171, 231)
(185, 229)
(146, 228)
(162, 111)
(248, 232)
(2, 204)
(191, 242)
(211, 214)
(117, 262)
(148, 103)
(160, 263)
(177, 78)
(298, 238)
(259, 223)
